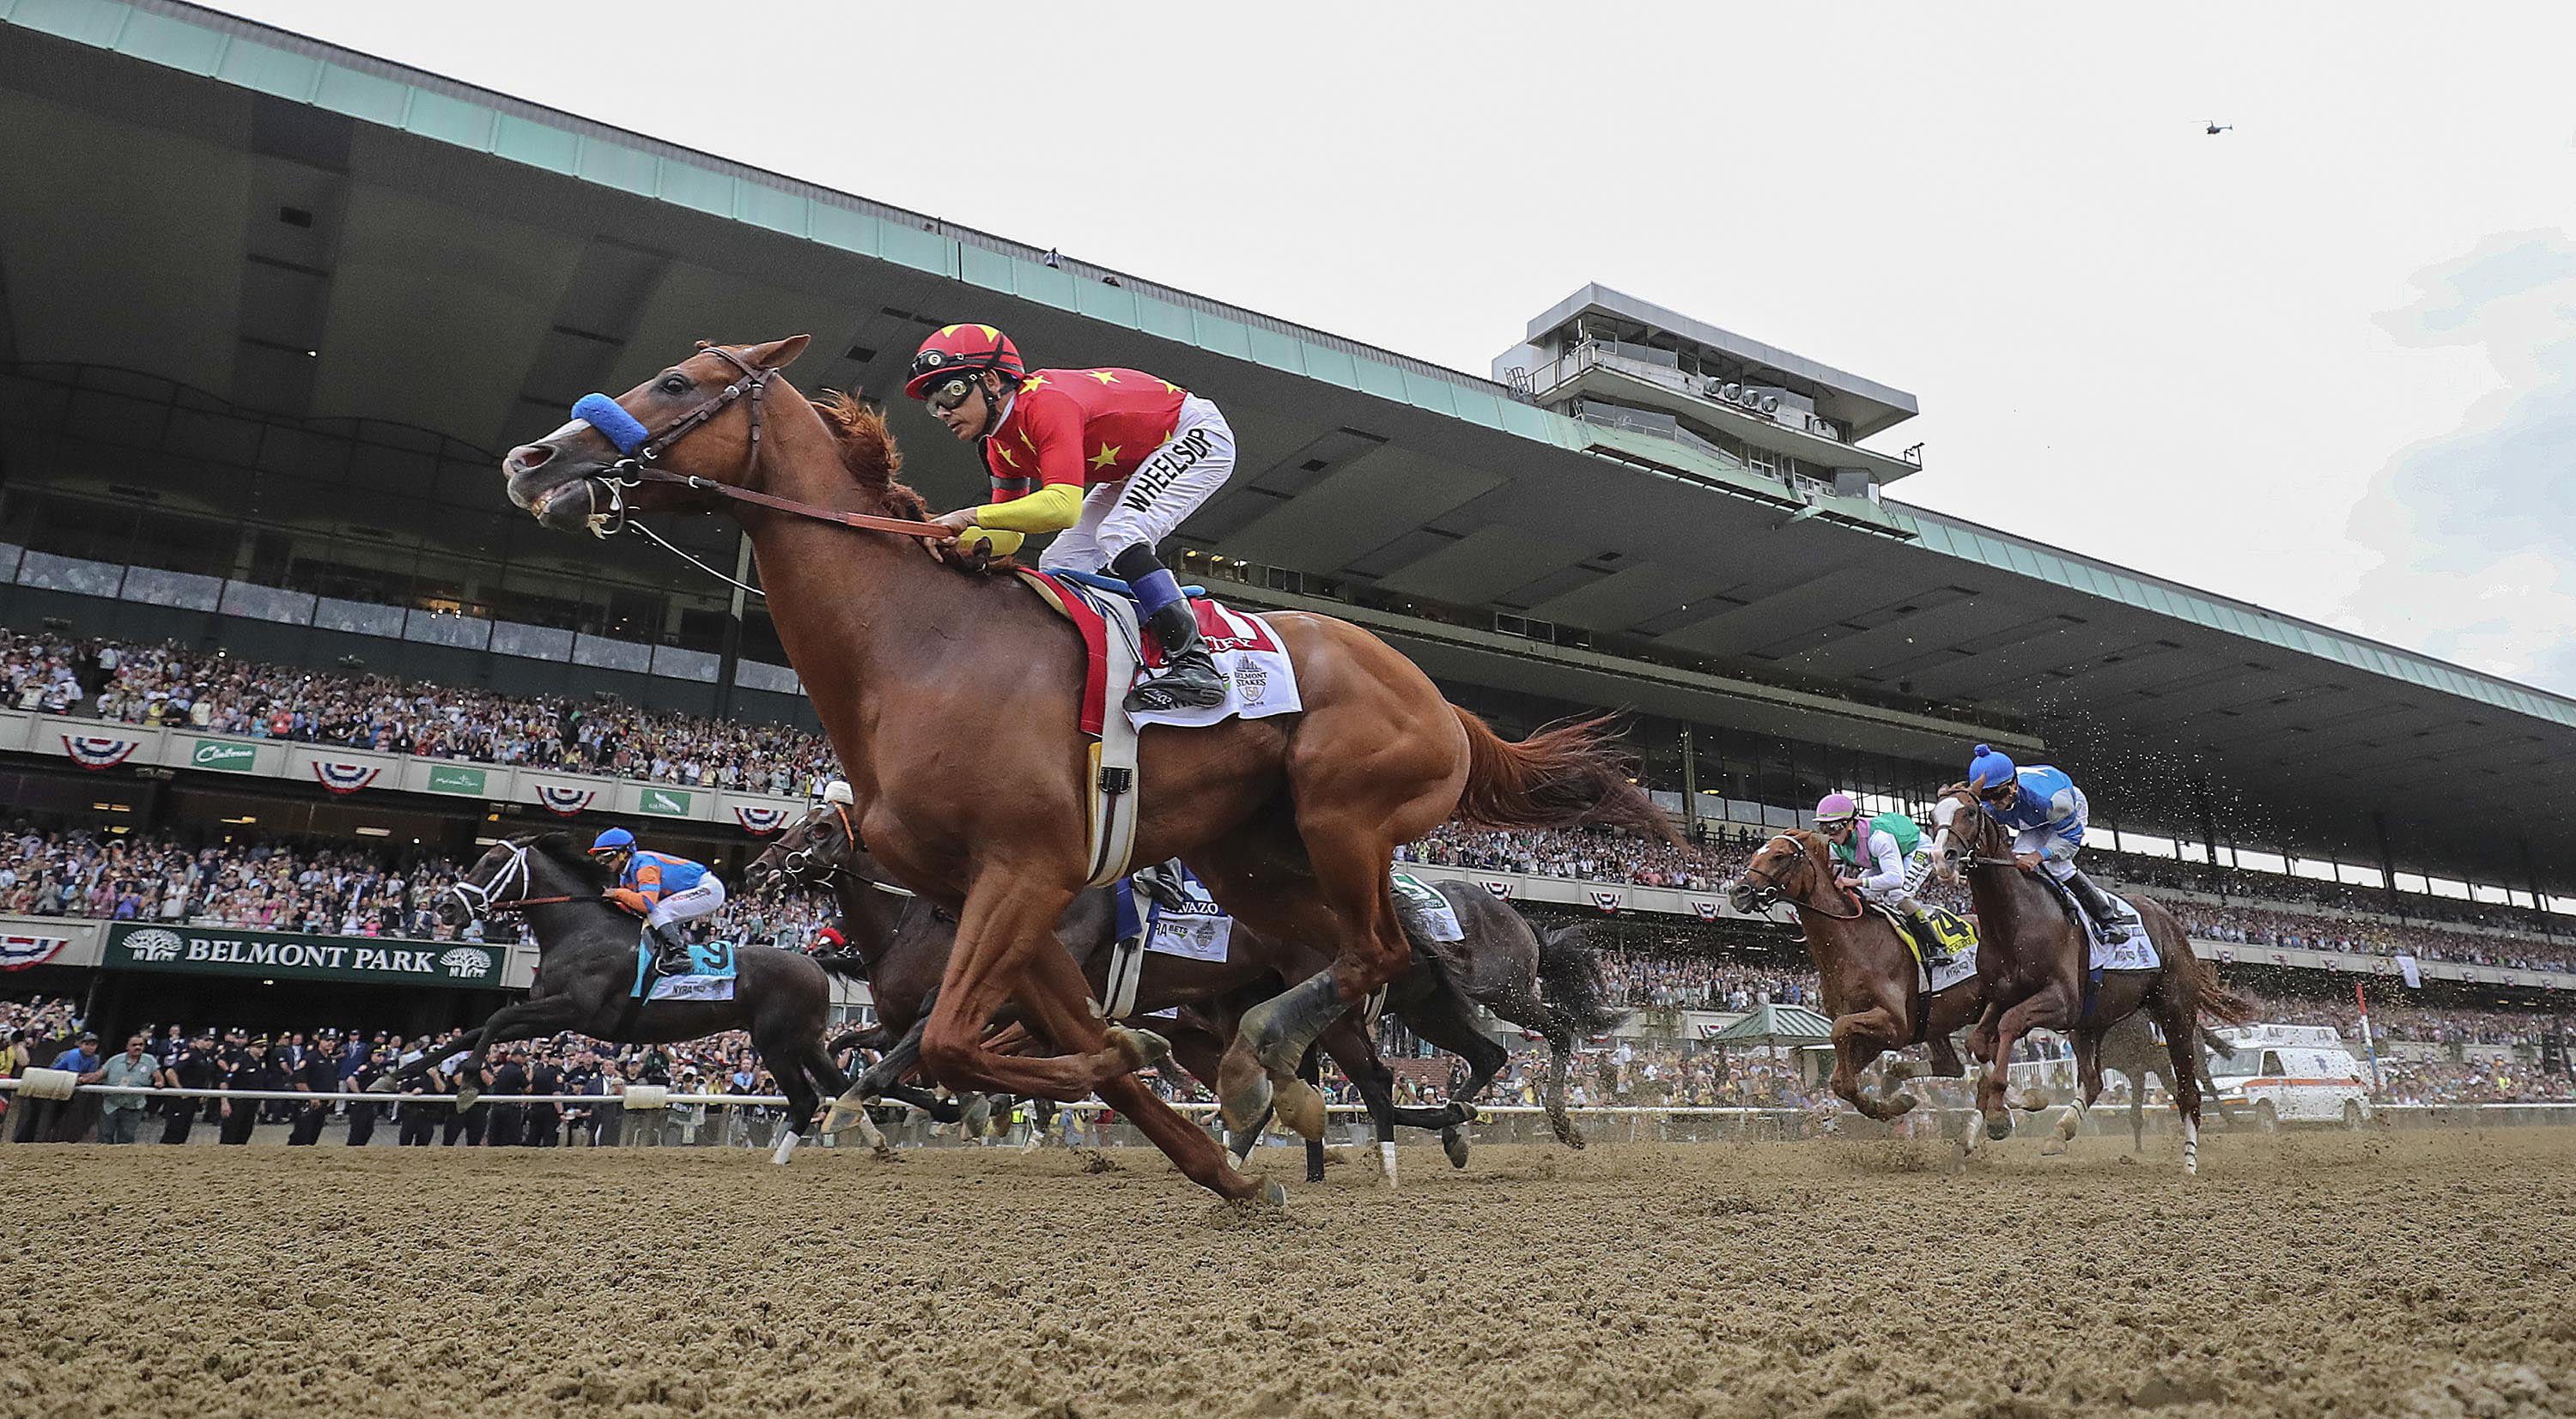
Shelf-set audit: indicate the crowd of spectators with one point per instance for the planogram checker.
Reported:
(171, 685)
(270, 884)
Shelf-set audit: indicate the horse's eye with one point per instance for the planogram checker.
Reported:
(675, 384)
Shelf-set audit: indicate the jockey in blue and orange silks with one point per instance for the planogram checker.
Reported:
(2045, 811)
(671, 889)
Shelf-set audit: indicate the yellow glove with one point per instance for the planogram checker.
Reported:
(1000, 542)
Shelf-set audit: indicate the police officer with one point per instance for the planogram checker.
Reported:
(545, 1121)
(419, 1111)
(372, 1076)
(509, 1078)
(319, 1074)
(192, 1066)
(257, 1072)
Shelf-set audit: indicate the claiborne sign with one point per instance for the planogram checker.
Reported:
(223, 755)
(290, 955)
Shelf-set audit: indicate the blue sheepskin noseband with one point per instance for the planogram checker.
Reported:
(603, 413)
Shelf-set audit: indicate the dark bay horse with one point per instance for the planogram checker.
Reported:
(586, 949)
(2131, 1049)
(2034, 959)
(952, 702)
(1872, 987)
(904, 943)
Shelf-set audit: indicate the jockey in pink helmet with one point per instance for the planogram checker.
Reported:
(1871, 859)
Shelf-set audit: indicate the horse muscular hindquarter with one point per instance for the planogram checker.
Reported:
(956, 722)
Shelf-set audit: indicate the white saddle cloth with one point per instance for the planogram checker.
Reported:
(2132, 952)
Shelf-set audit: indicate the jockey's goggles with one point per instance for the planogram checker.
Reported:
(952, 393)
(1832, 824)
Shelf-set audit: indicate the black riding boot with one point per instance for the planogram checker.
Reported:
(2109, 916)
(1162, 882)
(670, 950)
(1935, 955)
(1188, 679)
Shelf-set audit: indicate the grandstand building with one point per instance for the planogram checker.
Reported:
(270, 310)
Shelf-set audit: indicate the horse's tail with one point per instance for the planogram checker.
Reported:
(1571, 979)
(1556, 778)
(2216, 1001)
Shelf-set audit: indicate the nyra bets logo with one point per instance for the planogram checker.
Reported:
(465, 962)
(155, 945)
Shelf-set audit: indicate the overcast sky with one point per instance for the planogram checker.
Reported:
(2325, 362)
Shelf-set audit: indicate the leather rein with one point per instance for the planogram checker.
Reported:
(1779, 892)
(638, 468)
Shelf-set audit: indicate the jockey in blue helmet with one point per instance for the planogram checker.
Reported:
(2045, 811)
(673, 889)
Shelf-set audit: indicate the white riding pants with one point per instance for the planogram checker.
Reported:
(1143, 508)
(696, 902)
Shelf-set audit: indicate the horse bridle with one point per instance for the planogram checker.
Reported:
(1767, 891)
(636, 467)
(1974, 859)
(798, 864)
(478, 897)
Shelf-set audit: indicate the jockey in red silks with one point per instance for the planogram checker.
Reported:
(1110, 459)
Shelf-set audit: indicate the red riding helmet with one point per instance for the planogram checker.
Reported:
(960, 350)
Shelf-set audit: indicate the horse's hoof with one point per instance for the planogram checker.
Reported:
(1243, 1093)
(2053, 1148)
(845, 1113)
(1453, 1141)
(1998, 1129)
(465, 1097)
(1142, 1049)
(1273, 1195)
(1299, 1107)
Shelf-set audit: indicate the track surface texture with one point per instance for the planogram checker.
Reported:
(2414, 1274)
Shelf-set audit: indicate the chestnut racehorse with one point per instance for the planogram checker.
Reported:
(2034, 959)
(952, 702)
(1871, 983)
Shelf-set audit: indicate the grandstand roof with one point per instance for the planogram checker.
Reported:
(301, 228)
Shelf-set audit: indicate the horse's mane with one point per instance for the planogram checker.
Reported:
(868, 451)
(558, 848)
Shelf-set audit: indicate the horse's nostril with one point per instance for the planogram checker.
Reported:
(528, 456)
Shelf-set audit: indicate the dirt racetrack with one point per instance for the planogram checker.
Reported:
(2419, 1274)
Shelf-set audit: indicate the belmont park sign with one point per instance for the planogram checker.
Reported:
(289, 955)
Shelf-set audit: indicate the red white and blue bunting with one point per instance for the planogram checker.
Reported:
(759, 822)
(17, 953)
(1502, 890)
(564, 802)
(344, 778)
(91, 752)
(1607, 901)
(1707, 910)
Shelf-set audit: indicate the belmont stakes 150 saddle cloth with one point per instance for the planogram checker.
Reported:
(1259, 682)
